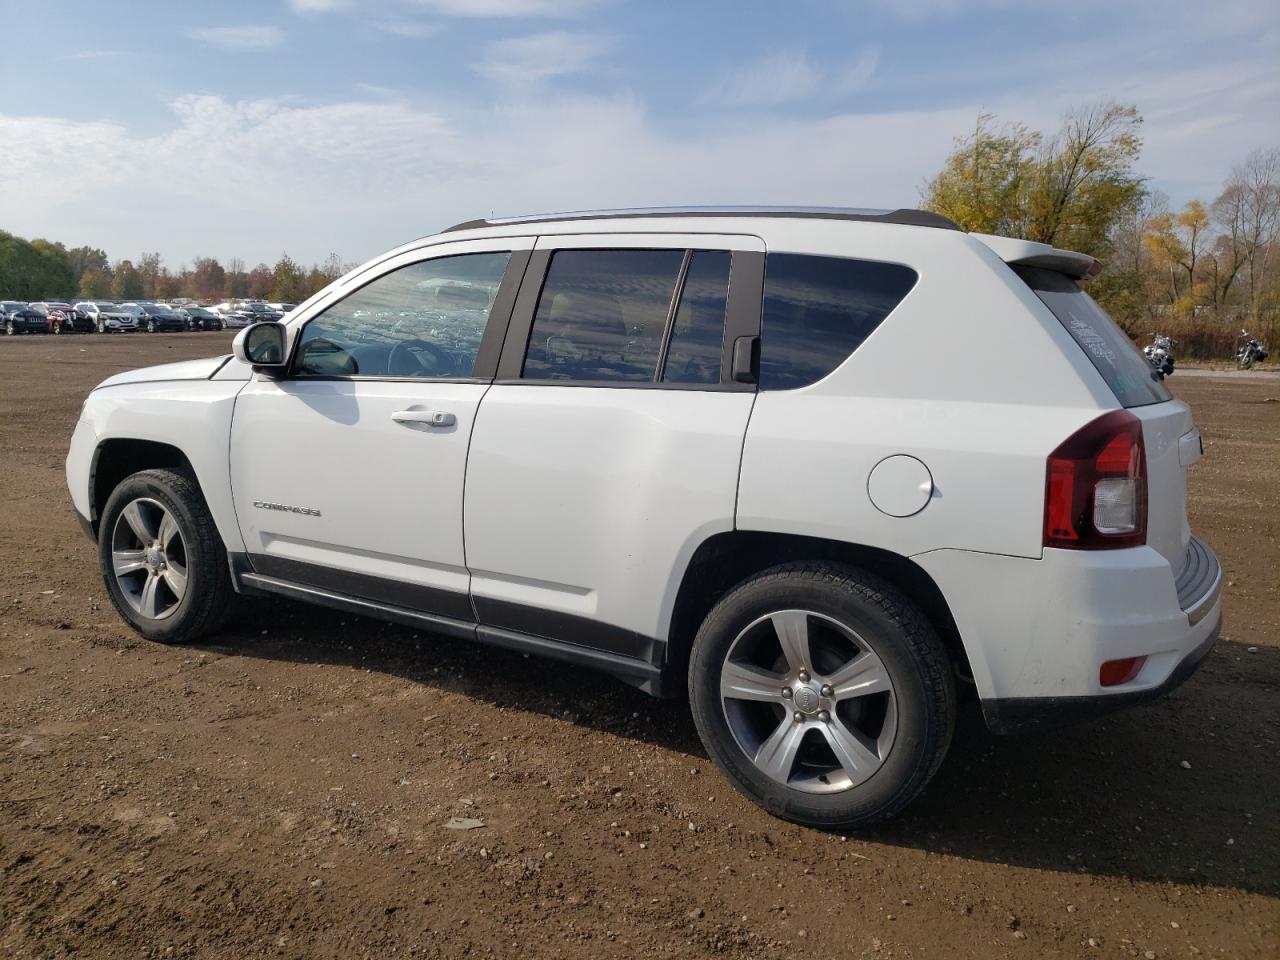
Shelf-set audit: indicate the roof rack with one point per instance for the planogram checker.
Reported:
(914, 218)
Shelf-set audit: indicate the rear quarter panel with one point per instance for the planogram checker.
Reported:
(970, 374)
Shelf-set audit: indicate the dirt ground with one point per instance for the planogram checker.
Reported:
(284, 789)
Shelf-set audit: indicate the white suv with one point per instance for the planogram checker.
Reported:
(814, 467)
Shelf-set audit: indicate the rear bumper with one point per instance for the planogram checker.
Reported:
(1037, 632)
(1025, 714)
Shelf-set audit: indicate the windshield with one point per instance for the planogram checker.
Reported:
(1108, 348)
(199, 312)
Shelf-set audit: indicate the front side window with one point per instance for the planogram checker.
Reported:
(425, 319)
(818, 310)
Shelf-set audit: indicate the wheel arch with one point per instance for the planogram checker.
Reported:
(117, 458)
(724, 560)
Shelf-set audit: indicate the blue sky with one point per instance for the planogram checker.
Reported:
(309, 126)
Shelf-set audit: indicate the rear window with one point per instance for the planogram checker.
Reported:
(818, 310)
(1115, 356)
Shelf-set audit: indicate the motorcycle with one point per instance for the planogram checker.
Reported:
(1250, 351)
(1159, 354)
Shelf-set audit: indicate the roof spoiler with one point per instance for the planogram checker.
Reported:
(1031, 254)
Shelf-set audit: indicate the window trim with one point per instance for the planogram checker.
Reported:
(495, 325)
(742, 313)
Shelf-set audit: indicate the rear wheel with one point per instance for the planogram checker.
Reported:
(162, 560)
(823, 694)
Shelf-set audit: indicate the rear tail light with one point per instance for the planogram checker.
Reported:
(1096, 486)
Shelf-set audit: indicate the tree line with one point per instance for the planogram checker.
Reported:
(47, 270)
(1199, 273)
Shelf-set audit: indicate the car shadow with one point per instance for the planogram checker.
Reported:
(1182, 789)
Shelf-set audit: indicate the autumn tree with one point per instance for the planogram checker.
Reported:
(83, 259)
(168, 285)
(126, 283)
(1177, 243)
(259, 282)
(95, 283)
(288, 281)
(1067, 189)
(207, 279)
(149, 266)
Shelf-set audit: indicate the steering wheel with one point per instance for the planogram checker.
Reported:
(414, 358)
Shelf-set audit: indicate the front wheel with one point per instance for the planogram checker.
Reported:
(162, 560)
(9, 329)
(823, 694)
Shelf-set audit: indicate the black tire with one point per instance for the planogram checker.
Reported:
(9, 329)
(908, 647)
(209, 598)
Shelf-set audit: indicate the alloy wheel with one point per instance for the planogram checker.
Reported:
(149, 558)
(809, 701)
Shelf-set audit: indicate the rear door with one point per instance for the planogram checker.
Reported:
(609, 446)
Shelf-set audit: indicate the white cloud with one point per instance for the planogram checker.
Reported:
(520, 62)
(788, 76)
(250, 39)
(252, 178)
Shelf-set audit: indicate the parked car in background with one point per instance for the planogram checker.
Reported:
(154, 318)
(233, 317)
(200, 318)
(63, 317)
(23, 318)
(259, 311)
(282, 308)
(107, 317)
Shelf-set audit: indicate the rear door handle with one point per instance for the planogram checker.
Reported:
(432, 418)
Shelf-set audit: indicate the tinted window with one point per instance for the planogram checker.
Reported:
(697, 334)
(1121, 364)
(602, 315)
(818, 310)
(423, 320)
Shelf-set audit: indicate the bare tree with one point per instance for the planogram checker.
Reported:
(1248, 212)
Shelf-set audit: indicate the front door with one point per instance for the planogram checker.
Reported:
(347, 473)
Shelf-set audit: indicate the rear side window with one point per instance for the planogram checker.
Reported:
(1114, 355)
(818, 310)
(697, 334)
(602, 315)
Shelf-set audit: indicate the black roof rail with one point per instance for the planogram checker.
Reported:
(905, 216)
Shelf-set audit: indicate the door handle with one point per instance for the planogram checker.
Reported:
(432, 418)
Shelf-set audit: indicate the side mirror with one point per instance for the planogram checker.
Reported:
(263, 346)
